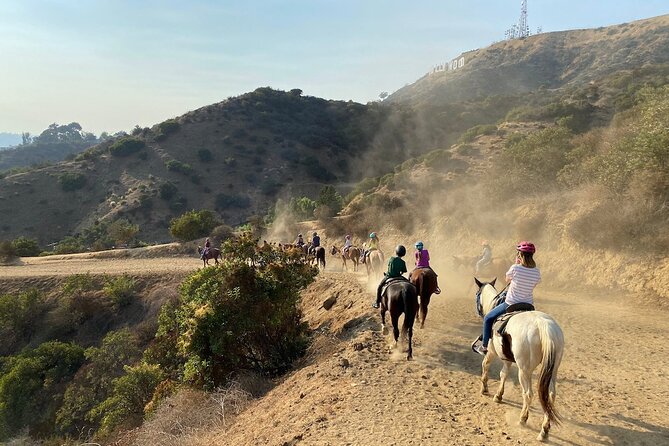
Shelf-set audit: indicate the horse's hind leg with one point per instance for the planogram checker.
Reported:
(503, 374)
(525, 379)
(396, 330)
(384, 329)
(546, 424)
(424, 302)
(409, 338)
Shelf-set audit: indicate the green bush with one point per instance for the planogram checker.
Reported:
(122, 231)
(167, 191)
(120, 290)
(328, 196)
(303, 208)
(71, 181)
(169, 127)
(80, 283)
(19, 314)
(90, 388)
(192, 225)
(236, 317)
(125, 405)
(32, 386)
(126, 146)
(26, 247)
(7, 251)
(178, 166)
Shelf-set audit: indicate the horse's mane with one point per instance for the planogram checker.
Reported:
(488, 294)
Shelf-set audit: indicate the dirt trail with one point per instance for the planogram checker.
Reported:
(612, 385)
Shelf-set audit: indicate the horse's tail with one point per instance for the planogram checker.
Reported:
(552, 343)
(410, 300)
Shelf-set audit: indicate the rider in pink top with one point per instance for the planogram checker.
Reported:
(423, 260)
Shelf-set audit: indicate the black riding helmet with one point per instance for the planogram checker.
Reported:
(400, 250)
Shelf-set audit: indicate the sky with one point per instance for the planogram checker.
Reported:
(114, 64)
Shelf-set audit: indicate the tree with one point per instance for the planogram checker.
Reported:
(193, 224)
(122, 231)
(329, 197)
(26, 247)
(32, 386)
(26, 138)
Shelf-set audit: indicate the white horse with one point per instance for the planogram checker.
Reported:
(531, 338)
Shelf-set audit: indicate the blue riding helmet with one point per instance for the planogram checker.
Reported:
(372, 235)
(419, 245)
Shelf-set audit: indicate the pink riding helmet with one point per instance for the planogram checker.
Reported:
(526, 246)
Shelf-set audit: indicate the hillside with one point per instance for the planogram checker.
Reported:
(547, 61)
(235, 157)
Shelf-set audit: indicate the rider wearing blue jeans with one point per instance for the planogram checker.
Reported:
(522, 278)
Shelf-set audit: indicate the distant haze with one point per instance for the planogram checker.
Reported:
(9, 139)
(112, 65)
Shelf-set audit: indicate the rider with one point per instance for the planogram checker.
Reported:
(347, 243)
(300, 241)
(396, 267)
(371, 246)
(523, 276)
(315, 241)
(423, 259)
(205, 251)
(486, 257)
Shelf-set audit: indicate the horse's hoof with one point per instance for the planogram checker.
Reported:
(522, 421)
(543, 436)
(484, 391)
(497, 399)
(384, 330)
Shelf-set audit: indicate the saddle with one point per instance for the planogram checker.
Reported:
(391, 281)
(500, 323)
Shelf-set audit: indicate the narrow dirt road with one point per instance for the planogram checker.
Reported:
(612, 387)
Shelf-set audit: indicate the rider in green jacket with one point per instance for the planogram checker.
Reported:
(396, 267)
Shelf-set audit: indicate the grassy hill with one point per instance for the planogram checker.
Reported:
(235, 157)
(545, 61)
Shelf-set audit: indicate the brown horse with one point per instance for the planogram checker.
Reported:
(400, 297)
(425, 281)
(213, 253)
(352, 254)
(497, 268)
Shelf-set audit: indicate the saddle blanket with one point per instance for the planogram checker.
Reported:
(500, 323)
(390, 282)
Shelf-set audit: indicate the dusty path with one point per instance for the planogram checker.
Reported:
(612, 388)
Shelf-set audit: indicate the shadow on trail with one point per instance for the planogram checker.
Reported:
(617, 435)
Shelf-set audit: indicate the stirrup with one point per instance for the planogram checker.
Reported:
(476, 341)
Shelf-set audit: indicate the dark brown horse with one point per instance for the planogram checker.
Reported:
(319, 257)
(352, 254)
(400, 297)
(213, 253)
(425, 281)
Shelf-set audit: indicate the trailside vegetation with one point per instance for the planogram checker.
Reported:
(243, 315)
(193, 225)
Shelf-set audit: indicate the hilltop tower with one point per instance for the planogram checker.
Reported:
(523, 27)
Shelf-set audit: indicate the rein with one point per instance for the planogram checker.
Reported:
(496, 300)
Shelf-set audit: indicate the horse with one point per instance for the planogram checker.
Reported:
(530, 338)
(497, 268)
(425, 281)
(467, 262)
(212, 253)
(319, 257)
(374, 262)
(352, 254)
(400, 297)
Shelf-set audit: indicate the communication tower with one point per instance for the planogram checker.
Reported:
(523, 27)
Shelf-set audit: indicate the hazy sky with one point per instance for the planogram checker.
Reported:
(112, 64)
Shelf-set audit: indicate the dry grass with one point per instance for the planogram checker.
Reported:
(187, 417)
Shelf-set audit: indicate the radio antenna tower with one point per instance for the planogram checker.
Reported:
(523, 27)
